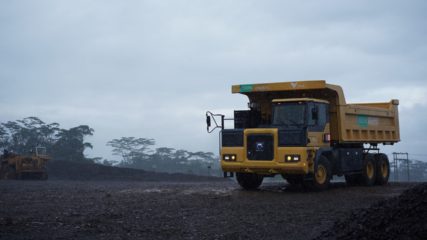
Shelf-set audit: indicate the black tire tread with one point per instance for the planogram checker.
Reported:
(249, 181)
(380, 180)
(364, 179)
(312, 184)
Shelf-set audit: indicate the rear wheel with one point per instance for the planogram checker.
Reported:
(249, 181)
(368, 171)
(382, 169)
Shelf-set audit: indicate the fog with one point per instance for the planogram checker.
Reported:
(152, 68)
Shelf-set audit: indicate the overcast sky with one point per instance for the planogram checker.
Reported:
(152, 68)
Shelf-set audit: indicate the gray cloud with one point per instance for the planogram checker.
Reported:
(151, 68)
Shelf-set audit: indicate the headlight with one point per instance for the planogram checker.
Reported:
(292, 158)
(229, 157)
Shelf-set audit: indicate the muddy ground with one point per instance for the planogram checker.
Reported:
(64, 209)
(83, 171)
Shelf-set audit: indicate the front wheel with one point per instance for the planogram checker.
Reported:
(322, 175)
(11, 173)
(249, 181)
(3, 170)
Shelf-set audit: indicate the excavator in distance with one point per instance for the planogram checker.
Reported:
(32, 166)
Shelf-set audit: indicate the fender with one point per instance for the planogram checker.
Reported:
(319, 152)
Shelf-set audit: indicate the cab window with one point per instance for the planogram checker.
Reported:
(317, 116)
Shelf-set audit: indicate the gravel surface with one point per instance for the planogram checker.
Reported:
(81, 171)
(401, 217)
(58, 209)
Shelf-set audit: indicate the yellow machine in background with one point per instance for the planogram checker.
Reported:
(306, 132)
(15, 166)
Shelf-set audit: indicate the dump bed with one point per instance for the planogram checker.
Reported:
(370, 122)
(349, 123)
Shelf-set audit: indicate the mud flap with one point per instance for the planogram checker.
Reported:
(319, 152)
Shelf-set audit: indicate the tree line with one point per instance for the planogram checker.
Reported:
(141, 153)
(23, 136)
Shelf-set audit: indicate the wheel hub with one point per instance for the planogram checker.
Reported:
(321, 174)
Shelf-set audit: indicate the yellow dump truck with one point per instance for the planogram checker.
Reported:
(16, 166)
(306, 132)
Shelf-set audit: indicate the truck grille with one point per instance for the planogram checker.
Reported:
(260, 147)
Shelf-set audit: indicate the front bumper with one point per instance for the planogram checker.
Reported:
(276, 166)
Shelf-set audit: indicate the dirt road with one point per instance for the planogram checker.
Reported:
(210, 210)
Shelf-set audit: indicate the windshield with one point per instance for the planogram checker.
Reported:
(288, 114)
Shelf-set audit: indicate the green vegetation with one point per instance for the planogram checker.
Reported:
(23, 136)
(140, 153)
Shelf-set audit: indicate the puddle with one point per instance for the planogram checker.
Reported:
(184, 191)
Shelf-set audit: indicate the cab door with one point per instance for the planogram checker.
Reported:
(318, 124)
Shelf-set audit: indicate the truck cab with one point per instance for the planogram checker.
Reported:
(301, 122)
(305, 132)
(297, 126)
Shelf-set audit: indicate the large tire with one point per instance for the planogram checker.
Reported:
(322, 175)
(249, 181)
(382, 169)
(368, 170)
(3, 170)
(11, 173)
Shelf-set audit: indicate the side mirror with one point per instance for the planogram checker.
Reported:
(208, 121)
(211, 117)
